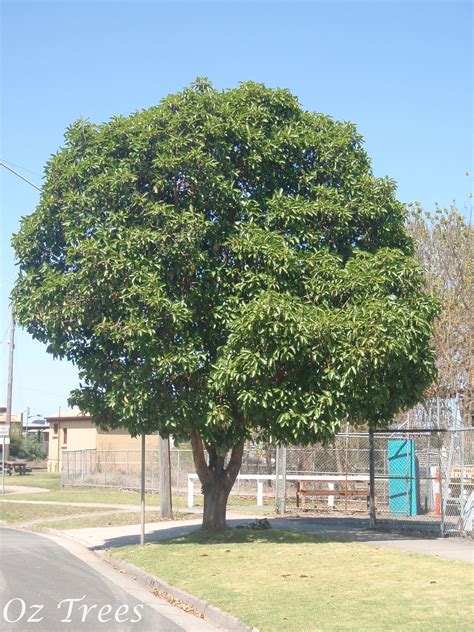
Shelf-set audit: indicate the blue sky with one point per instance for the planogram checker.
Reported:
(402, 71)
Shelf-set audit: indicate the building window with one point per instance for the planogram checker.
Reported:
(55, 429)
(64, 436)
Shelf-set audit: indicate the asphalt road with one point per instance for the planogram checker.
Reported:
(39, 580)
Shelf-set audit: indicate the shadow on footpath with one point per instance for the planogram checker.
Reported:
(327, 528)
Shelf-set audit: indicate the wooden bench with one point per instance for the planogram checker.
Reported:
(16, 467)
(335, 488)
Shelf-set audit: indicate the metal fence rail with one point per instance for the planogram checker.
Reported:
(421, 477)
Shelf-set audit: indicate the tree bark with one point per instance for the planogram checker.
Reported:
(216, 495)
(216, 480)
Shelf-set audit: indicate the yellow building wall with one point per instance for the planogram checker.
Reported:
(121, 440)
(81, 435)
(16, 418)
(84, 435)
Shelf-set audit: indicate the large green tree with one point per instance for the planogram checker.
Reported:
(222, 264)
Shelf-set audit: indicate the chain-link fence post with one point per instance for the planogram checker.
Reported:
(126, 469)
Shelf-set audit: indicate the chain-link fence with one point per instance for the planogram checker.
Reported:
(422, 478)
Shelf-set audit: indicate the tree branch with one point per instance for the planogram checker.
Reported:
(234, 464)
(199, 458)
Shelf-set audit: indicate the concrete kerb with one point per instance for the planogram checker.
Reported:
(209, 612)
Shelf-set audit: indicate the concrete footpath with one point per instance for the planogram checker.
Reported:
(345, 530)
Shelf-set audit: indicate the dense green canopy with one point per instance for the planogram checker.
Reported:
(226, 262)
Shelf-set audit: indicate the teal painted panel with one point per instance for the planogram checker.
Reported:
(402, 477)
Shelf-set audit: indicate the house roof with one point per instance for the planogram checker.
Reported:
(68, 418)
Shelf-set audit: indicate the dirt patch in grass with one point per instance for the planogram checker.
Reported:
(278, 580)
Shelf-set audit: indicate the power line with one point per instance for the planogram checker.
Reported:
(12, 164)
(19, 175)
(5, 335)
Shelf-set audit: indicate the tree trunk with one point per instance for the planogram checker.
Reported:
(216, 494)
(216, 480)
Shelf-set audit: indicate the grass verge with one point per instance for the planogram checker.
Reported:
(89, 495)
(278, 580)
(46, 480)
(121, 518)
(56, 493)
(19, 512)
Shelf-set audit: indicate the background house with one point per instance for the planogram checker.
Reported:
(71, 431)
(16, 418)
(16, 426)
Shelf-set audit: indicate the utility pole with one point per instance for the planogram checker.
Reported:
(6, 448)
(166, 508)
(373, 512)
(142, 490)
(8, 420)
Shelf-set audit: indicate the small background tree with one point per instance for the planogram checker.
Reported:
(224, 264)
(29, 447)
(444, 244)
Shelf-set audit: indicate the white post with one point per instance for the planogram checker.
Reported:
(142, 493)
(190, 492)
(331, 498)
(259, 493)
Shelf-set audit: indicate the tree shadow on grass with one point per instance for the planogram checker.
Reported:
(233, 535)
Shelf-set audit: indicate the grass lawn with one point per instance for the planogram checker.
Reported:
(19, 512)
(106, 495)
(46, 480)
(125, 497)
(278, 580)
(89, 495)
